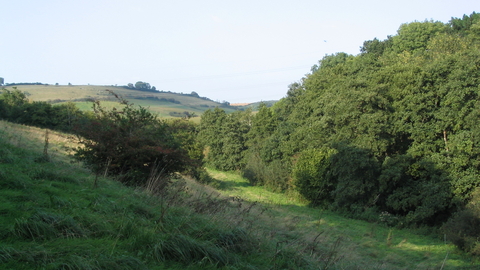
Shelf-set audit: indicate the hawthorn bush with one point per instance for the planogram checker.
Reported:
(129, 142)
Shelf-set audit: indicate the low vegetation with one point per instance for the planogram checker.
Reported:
(54, 218)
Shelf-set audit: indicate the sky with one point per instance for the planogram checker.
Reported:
(237, 51)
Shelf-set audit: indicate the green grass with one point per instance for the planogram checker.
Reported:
(362, 244)
(51, 217)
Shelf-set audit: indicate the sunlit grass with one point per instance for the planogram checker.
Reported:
(32, 138)
(235, 185)
(75, 93)
(371, 244)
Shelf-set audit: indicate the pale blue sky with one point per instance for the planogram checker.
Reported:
(238, 51)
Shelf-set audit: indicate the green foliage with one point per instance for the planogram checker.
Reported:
(15, 107)
(142, 85)
(129, 142)
(467, 24)
(224, 136)
(413, 37)
(415, 189)
(402, 117)
(313, 176)
(344, 178)
(356, 172)
(54, 219)
(330, 61)
(186, 132)
(462, 227)
(11, 103)
(274, 176)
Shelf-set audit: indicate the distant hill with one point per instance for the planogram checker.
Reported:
(166, 104)
(254, 105)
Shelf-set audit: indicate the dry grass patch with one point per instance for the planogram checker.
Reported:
(59, 145)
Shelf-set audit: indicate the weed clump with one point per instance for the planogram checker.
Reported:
(45, 226)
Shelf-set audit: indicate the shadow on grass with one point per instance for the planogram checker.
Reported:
(365, 243)
(229, 185)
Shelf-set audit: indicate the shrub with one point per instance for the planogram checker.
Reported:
(274, 175)
(415, 189)
(355, 172)
(463, 227)
(313, 176)
(129, 142)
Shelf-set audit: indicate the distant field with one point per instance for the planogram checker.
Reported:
(155, 101)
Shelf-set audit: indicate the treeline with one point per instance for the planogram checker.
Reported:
(142, 86)
(24, 83)
(128, 142)
(15, 107)
(389, 135)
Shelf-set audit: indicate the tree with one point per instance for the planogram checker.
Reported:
(194, 94)
(402, 117)
(11, 104)
(225, 152)
(67, 116)
(466, 24)
(414, 36)
(142, 85)
(2, 81)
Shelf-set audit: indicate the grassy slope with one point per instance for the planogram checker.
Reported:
(75, 92)
(53, 218)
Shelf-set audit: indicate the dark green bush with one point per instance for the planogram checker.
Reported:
(274, 175)
(415, 189)
(463, 228)
(356, 172)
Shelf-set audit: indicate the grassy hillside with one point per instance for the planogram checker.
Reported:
(53, 218)
(254, 105)
(156, 101)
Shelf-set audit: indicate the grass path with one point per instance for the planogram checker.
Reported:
(368, 244)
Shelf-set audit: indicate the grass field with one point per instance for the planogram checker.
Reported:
(51, 217)
(153, 100)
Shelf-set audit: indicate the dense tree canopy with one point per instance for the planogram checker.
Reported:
(392, 130)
